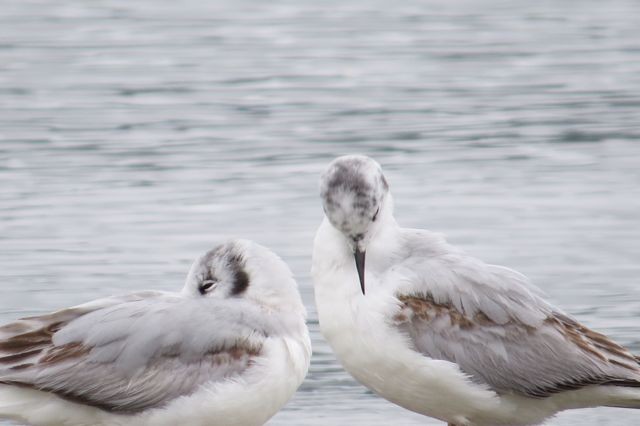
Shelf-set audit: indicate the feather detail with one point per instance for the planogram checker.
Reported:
(68, 353)
(509, 350)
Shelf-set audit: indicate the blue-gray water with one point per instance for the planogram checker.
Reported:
(134, 135)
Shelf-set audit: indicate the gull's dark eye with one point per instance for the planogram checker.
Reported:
(375, 216)
(205, 286)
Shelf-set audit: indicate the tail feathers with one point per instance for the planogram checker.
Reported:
(623, 383)
(11, 404)
(625, 393)
(624, 396)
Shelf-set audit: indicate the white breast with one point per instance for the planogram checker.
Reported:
(358, 328)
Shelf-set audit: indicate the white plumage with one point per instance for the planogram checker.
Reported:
(230, 349)
(442, 333)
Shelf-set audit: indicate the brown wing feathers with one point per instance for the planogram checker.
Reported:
(424, 309)
(28, 341)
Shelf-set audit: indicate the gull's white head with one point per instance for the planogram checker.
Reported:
(244, 269)
(354, 196)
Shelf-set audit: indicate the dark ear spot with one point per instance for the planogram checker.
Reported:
(240, 276)
(240, 282)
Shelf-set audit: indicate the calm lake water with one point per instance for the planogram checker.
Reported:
(134, 135)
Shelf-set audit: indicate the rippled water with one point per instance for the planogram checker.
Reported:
(135, 135)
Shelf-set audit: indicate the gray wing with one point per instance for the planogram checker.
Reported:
(486, 319)
(127, 354)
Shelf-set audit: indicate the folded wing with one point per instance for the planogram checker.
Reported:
(488, 321)
(130, 353)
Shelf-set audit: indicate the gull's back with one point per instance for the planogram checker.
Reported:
(120, 354)
(490, 321)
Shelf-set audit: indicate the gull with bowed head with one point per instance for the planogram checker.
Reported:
(230, 349)
(436, 331)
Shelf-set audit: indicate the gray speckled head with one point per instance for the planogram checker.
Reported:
(243, 269)
(220, 272)
(353, 190)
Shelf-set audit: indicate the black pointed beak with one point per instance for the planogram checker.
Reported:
(359, 257)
